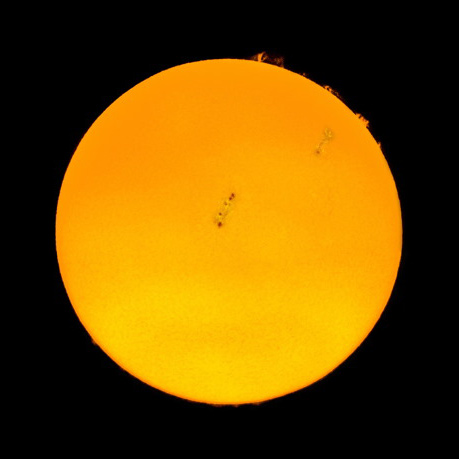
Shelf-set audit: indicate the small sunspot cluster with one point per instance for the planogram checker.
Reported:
(224, 210)
(327, 136)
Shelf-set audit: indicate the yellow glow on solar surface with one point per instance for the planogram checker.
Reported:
(228, 231)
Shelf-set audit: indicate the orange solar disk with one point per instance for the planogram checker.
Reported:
(228, 231)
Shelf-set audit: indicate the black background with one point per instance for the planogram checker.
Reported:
(380, 392)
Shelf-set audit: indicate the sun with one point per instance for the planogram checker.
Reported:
(228, 231)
